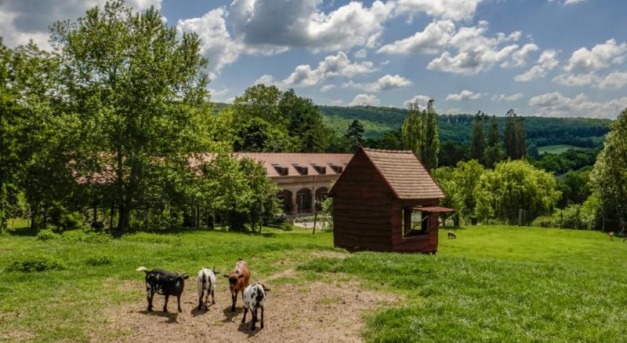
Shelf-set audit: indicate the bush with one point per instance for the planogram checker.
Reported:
(34, 265)
(100, 260)
(544, 221)
(46, 235)
(286, 226)
(87, 237)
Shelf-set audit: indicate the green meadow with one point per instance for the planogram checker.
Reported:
(491, 284)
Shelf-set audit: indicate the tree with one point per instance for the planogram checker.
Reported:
(515, 192)
(609, 176)
(459, 185)
(494, 151)
(355, 134)
(260, 101)
(477, 141)
(413, 129)
(305, 122)
(514, 136)
(431, 143)
(257, 135)
(138, 94)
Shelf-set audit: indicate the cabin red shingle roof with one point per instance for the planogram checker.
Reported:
(405, 174)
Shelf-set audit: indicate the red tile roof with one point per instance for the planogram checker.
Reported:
(405, 173)
(291, 160)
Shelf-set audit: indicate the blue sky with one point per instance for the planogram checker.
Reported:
(539, 57)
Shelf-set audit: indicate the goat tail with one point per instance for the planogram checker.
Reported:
(142, 269)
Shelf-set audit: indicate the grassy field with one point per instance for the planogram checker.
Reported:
(556, 149)
(492, 284)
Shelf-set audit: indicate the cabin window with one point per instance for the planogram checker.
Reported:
(415, 222)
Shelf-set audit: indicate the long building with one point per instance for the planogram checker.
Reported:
(304, 178)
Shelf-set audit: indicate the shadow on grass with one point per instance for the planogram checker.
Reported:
(197, 312)
(245, 328)
(229, 315)
(172, 317)
(25, 231)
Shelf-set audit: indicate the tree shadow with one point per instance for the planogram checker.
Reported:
(171, 316)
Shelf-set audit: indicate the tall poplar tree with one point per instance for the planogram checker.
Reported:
(431, 143)
(139, 95)
(477, 140)
(514, 136)
(494, 150)
(412, 130)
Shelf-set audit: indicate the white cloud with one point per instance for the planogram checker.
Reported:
(302, 24)
(21, 21)
(331, 66)
(569, 2)
(267, 80)
(556, 105)
(327, 88)
(431, 40)
(419, 99)
(446, 9)
(365, 100)
(546, 62)
(216, 42)
(471, 51)
(463, 96)
(362, 53)
(506, 97)
(599, 57)
(386, 82)
(519, 57)
(614, 79)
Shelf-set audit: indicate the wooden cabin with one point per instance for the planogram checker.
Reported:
(386, 201)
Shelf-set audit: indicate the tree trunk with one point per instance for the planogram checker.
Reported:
(124, 217)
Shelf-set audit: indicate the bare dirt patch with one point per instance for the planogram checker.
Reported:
(310, 312)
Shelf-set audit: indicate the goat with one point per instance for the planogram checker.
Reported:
(165, 283)
(611, 235)
(238, 280)
(254, 296)
(206, 285)
(451, 235)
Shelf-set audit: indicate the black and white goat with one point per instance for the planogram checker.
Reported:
(254, 297)
(206, 286)
(165, 283)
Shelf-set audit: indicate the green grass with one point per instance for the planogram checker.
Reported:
(556, 149)
(491, 284)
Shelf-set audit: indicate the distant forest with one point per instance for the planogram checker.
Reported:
(539, 131)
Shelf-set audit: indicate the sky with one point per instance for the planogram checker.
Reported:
(558, 58)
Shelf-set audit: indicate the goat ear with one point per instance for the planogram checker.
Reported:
(240, 276)
(265, 288)
(185, 276)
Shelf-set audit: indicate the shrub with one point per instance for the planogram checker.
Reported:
(285, 226)
(99, 260)
(544, 221)
(46, 235)
(87, 237)
(34, 264)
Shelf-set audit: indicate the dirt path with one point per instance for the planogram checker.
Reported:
(300, 312)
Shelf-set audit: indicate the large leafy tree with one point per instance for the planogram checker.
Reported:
(515, 192)
(459, 185)
(139, 96)
(609, 176)
(412, 131)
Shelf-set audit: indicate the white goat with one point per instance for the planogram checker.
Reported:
(206, 286)
(254, 297)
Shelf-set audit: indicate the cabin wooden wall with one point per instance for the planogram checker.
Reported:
(362, 203)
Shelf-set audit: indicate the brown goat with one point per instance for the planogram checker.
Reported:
(238, 280)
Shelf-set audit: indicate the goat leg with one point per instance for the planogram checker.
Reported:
(262, 317)
(165, 306)
(213, 298)
(149, 295)
(234, 298)
(253, 313)
(244, 317)
(178, 302)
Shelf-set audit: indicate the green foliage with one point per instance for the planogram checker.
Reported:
(354, 135)
(514, 136)
(268, 120)
(571, 159)
(34, 264)
(135, 94)
(459, 184)
(46, 235)
(431, 143)
(477, 141)
(513, 187)
(98, 260)
(413, 130)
